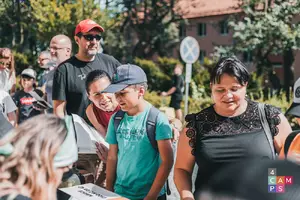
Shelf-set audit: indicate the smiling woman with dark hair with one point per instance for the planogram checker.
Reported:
(234, 128)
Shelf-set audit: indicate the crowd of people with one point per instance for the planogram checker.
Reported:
(38, 147)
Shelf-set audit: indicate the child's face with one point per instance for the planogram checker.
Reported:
(129, 97)
(27, 82)
(104, 101)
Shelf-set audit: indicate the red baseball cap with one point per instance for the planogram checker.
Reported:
(87, 25)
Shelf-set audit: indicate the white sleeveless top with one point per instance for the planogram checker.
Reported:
(7, 82)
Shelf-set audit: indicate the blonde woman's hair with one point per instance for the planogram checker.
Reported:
(30, 166)
(7, 53)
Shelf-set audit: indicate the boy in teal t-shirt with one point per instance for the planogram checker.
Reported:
(136, 170)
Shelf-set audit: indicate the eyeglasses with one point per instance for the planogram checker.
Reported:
(56, 48)
(4, 63)
(42, 59)
(90, 37)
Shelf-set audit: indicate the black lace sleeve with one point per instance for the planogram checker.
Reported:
(272, 114)
(191, 132)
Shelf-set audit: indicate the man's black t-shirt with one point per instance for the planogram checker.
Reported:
(178, 83)
(24, 102)
(69, 81)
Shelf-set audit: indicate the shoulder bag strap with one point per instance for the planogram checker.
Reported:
(38, 98)
(266, 127)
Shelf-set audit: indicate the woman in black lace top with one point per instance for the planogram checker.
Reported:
(229, 131)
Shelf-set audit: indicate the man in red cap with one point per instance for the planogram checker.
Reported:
(69, 79)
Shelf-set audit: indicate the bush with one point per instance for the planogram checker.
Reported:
(157, 80)
(167, 65)
(156, 100)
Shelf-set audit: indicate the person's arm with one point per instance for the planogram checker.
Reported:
(91, 116)
(10, 109)
(169, 92)
(284, 129)
(12, 118)
(184, 166)
(43, 89)
(17, 116)
(112, 158)
(59, 108)
(167, 159)
(111, 167)
(59, 99)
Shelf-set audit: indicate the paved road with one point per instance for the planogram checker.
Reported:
(174, 194)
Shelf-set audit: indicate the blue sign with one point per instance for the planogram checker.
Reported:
(189, 50)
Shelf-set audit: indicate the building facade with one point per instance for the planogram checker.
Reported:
(207, 23)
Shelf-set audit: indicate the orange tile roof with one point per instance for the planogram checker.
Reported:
(202, 8)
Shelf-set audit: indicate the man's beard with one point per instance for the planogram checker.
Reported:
(92, 52)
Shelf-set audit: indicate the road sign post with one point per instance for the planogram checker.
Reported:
(189, 52)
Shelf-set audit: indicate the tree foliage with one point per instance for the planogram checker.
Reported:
(266, 28)
(154, 22)
(266, 31)
(61, 17)
(27, 26)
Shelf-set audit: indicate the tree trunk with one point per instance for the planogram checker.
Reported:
(13, 29)
(19, 29)
(288, 60)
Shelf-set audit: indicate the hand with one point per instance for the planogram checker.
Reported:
(176, 134)
(164, 94)
(102, 151)
(176, 128)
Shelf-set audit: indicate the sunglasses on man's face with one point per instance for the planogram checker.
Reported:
(90, 37)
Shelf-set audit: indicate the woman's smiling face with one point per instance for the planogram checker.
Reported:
(228, 93)
(104, 101)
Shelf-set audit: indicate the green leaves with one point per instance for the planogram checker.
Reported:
(59, 17)
(270, 32)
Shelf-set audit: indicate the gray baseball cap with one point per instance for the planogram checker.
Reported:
(126, 75)
(29, 72)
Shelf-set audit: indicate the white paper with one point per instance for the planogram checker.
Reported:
(87, 136)
(89, 192)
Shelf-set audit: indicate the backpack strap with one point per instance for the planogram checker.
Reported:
(266, 127)
(288, 142)
(117, 119)
(151, 125)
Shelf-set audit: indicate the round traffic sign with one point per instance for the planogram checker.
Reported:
(189, 50)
